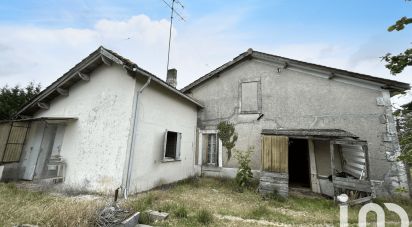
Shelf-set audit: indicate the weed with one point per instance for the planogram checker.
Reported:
(204, 217)
(180, 212)
(144, 218)
(244, 174)
(144, 203)
(275, 196)
(259, 212)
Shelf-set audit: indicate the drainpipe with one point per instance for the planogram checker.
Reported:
(133, 132)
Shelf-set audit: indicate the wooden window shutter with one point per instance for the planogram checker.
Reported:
(275, 153)
(164, 144)
(179, 140)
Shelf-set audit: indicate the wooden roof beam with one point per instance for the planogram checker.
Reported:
(43, 105)
(83, 76)
(106, 61)
(62, 91)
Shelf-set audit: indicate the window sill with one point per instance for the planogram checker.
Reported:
(165, 160)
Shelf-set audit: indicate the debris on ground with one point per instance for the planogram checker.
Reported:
(111, 215)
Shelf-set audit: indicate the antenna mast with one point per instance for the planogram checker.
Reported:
(173, 11)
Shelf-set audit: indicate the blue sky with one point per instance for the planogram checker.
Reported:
(42, 39)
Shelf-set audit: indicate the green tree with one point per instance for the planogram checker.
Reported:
(12, 98)
(404, 121)
(397, 63)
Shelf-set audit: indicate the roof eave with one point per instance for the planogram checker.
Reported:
(104, 56)
(391, 85)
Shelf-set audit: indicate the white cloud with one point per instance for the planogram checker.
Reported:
(198, 46)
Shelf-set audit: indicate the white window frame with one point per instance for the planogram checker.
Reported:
(200, 147)
(178, 146)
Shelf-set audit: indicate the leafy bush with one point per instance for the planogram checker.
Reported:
(244, 174)
(204, 217)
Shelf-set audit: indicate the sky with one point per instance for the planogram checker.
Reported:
(40, 40)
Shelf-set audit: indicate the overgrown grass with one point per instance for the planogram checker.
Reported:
(19, 206)
(220, 198)
(204, 216)
(194, 202)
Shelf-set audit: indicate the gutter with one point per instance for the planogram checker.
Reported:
(133, 133)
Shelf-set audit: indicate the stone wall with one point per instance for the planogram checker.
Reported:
(274, 184)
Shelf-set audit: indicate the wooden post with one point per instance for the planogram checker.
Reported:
(367, 168)
(313, 171)
(332, 165)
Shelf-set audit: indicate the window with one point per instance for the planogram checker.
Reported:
(250, 97)
(171, 149)
(212, 147)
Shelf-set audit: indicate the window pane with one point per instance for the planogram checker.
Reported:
(171, 145)
(249, 96)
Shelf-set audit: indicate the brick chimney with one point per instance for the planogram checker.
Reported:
(171, 78)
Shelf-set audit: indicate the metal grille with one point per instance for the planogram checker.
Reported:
(12, 142)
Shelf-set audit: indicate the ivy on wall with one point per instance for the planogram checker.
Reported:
(228, 136)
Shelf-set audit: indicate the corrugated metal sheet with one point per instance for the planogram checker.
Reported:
(15, 138)
(353, 160)
(275, 153)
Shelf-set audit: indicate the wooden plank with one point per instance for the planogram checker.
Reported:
(367, 166)
(285, 153)
(266, 152)
(352, 184)
(360, 200)
(275, 153)
(351, 142)
(4, 134)
(313, 171)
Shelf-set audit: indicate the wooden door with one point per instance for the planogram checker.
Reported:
(275, 153)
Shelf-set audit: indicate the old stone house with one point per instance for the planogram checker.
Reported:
(109, 124)
(275, 101)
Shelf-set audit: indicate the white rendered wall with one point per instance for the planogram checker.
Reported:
(160, 110)
(95, 145)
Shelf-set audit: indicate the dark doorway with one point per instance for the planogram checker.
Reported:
(299, 173)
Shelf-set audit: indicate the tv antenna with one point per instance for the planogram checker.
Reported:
(173, 11)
